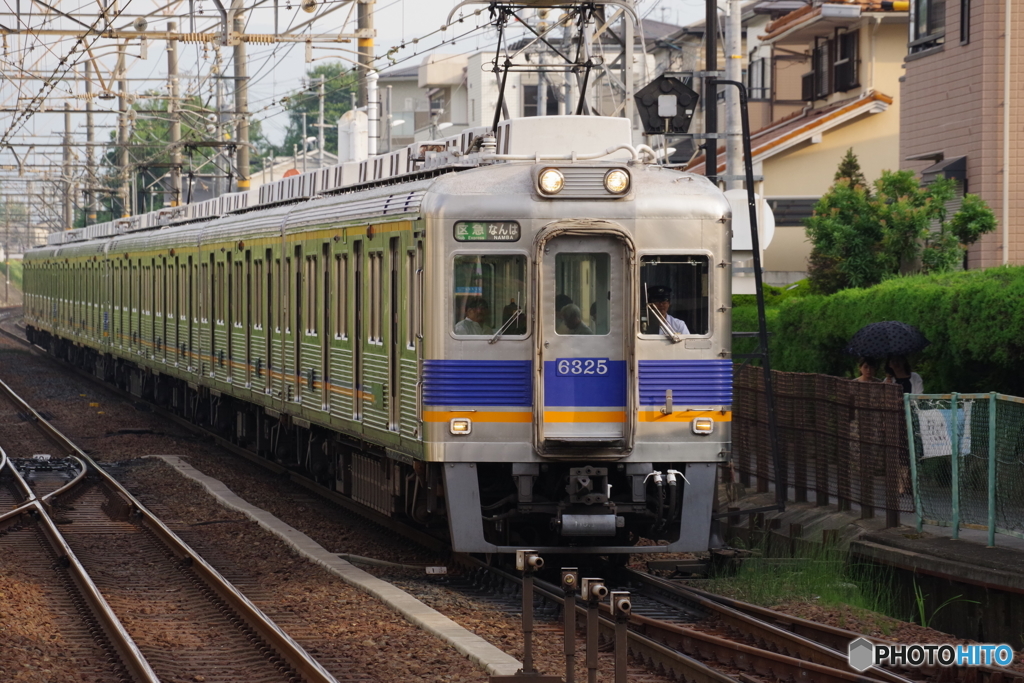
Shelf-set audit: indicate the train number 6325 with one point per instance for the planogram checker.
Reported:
(569, 367)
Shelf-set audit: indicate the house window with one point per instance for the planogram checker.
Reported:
(927, 24)
(845, 69)
(965, 21)
(757, 79)
(532, 105)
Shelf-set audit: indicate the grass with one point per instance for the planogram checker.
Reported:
(15, 273)
(819, 574)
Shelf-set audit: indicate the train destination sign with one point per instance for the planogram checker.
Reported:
(486, 231)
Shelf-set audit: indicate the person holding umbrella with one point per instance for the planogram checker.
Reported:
(897, 371)
(893, 340)
(868, 369)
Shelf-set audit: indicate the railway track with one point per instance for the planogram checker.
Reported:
(148, 607)
(819, 642)
(689, 634)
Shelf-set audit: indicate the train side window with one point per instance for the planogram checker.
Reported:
(674, 290)
(488, 291)
(340, 286)
(375, 297)
(582, 302)
(312, 291)
(204, 297)
(257, 295)
(412, 286)
(238, 290)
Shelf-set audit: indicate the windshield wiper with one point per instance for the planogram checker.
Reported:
(673, 336)
(501, 330)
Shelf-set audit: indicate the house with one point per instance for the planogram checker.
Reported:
(961, 112)
(458, 91)
(829, 74)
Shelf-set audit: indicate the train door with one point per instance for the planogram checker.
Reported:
(299, 308)
(585, 309)
(394, 341)
(251, 301)
(325, 309)
(357, 330)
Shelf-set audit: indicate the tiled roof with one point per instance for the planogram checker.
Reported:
(801, 126)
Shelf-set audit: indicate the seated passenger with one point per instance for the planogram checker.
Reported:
(475, 323)
(561, 301)
(573, 319)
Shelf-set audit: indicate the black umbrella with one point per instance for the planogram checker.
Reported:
(887, 338)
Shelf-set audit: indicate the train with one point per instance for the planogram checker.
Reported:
(516, 337)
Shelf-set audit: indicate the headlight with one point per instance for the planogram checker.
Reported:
(551, 181)
(703, 425)
(460, 426)
(616, 181)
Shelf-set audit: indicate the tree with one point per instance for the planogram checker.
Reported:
(339, 84)
(149, 157)
(849, 168)
(859, 239)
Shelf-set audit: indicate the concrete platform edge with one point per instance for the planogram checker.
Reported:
(477, 649)
(937, 566)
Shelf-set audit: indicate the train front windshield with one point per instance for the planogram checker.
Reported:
(489, 294)
(674, 292)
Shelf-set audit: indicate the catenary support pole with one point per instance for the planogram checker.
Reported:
(733, 72)
(68, 213)
(711, 90)
(173, 110)
(241, 114)
(320, 123)
(365, 30)
(91, 197)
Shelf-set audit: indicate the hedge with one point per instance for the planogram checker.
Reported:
(974, 320)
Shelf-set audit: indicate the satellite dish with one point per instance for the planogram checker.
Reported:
(140, 24)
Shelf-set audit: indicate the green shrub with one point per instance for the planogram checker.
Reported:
(972, 318)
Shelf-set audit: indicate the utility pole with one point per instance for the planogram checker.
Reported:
(241, 100)
(122, 132)
(304, 142)
(222, 163)
(389, 116)
(91, 198)
(364, 28)
(320, 137)
(173, 110)
(711, 90)
(66, 171)
(733, 72)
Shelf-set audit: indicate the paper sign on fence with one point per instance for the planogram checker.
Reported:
(936, 435)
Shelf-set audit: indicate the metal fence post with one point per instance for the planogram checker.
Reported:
(992, 469)
(955, 463)
(912, 449)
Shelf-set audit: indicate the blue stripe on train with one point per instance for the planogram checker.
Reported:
(477, 383)
(586, 391)
(693, 382)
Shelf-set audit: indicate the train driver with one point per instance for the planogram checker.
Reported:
(475, 322)
(659, 298)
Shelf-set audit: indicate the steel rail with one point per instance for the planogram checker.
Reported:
(131, 657)
(292, 653)
(426, 540)
(30, 495)
(838, 638)
(789, 643)
(678, 664)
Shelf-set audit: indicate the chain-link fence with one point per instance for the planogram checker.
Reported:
(967, 460)
(840, 441)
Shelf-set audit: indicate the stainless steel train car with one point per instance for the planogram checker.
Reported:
(520, 339)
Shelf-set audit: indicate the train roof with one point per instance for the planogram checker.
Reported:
(523, 139)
